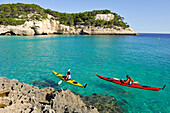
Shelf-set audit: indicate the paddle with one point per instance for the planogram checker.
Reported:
(135, 82)
(116, 78)
(119, 79)
(85, 86)
(59, 82)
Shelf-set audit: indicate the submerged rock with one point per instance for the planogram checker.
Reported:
(104, 103)
(45, 83)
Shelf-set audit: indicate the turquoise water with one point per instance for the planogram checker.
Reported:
(145, 58)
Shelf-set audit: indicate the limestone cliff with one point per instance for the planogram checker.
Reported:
(31, 19)
(49, 26)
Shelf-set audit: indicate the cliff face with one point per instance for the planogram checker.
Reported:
(50, 26)
(46, 26)
(18, 97)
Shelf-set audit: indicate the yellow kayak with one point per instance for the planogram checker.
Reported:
(68, 81)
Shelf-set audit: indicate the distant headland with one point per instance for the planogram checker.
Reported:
(30, 19)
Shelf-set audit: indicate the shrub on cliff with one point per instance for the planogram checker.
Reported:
(11, 21)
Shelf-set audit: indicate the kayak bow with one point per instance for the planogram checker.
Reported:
(132, 85)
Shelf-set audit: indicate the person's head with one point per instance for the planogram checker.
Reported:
(68, 73)
(127, 76)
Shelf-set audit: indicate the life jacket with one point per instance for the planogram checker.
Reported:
(69, 77)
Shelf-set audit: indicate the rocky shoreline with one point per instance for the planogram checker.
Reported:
(50, 26)
(16, 97)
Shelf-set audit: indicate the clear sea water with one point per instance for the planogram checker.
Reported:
(144, 57)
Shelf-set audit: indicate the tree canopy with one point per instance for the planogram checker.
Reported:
(17, 14)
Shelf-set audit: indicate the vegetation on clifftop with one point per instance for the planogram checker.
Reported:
(17, 14)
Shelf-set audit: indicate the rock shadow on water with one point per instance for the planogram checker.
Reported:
(43, 83)
(104, 103)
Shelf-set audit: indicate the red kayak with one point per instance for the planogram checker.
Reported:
(132, 85)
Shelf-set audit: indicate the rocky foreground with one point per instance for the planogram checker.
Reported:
(18, 97)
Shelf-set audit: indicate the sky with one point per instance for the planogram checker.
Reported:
(144, 16)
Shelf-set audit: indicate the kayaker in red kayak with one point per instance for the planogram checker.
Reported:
(128, 81)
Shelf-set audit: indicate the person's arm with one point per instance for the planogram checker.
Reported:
(126, 81)
(66, 77)
(132, 80)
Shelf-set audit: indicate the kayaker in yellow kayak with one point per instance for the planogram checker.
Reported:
(128, 81)
(68, 75)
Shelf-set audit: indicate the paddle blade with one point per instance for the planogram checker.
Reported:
(59, 82)
(116, 78)
(135, 82)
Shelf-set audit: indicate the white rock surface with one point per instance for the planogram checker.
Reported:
(105, 17)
